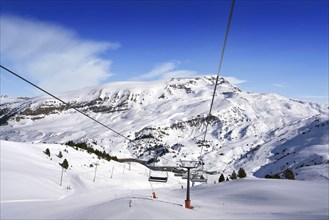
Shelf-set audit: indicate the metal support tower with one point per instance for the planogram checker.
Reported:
(190, 164)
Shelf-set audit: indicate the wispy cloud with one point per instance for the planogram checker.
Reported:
(279, 85)
(167, 70)
(55, 57)
(234, 80)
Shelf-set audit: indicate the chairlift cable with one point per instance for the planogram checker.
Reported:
(168, 160)
(218, 72)
(116, 132)
(67, 104)
(15, 74)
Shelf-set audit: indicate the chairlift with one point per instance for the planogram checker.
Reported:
(198, 177)
(199, 180)
(184, 177)
(158, 176)
(178, 174)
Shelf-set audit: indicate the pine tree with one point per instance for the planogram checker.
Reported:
(233, 175)
(242, 173)
(275, 176)
(221, 178)
(60, 155)
(47, 151)
(289, 174)
(65, 164)
(227, 179)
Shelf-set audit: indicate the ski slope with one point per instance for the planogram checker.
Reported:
(30, 189)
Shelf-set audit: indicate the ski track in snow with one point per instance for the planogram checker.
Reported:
(31, 200)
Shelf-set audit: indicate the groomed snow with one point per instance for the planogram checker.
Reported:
(30, 190)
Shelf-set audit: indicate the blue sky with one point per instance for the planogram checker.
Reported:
(273, 46)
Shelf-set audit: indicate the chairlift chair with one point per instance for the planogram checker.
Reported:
(158, 176)
(184, 177)
(198, 177)
(199, 180)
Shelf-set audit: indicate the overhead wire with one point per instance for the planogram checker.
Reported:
(168, 160)
(67, 104)
(118, 133)
(218, 73)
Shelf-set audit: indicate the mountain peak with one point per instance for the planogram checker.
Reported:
(168, 118)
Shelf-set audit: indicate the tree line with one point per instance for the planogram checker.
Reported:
(83, 146)
(91, 150)
(241, 174)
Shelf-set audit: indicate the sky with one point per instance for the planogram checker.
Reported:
(273, 46)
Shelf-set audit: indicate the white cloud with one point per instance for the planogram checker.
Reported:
(167, 70)
(233, 80)
(279, 85)
(53, 56)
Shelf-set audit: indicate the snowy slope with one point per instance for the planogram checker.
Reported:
(254, 131)
(30, 190)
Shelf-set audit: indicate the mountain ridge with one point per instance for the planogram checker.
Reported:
(168, 117)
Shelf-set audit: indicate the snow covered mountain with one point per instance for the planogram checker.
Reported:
(263, 133)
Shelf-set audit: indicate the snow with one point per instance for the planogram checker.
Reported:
(30, 190)
(263, 133)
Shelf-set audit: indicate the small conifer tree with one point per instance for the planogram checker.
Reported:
(65, 164)
(289, 174)
(275, 176)
(227, 179)
(47, 152)
(242, 173)
(221, 178)
(233, 175)
(60, 155)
